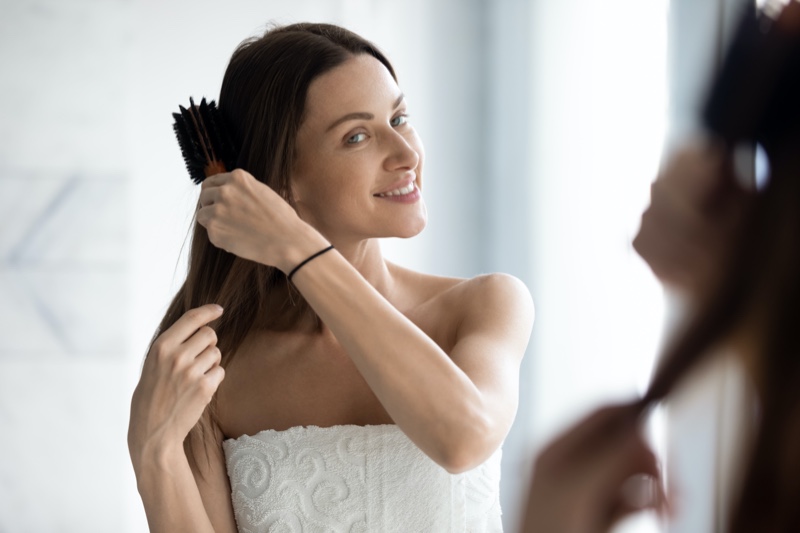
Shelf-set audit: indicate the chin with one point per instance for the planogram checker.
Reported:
(411, 228)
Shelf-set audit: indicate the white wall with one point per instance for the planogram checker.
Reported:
(63, 265)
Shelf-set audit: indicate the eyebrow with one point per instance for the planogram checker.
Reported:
(361, 115)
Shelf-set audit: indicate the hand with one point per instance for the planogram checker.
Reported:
(593, 475)
(695, 213)
(179, 378)
(247, 218)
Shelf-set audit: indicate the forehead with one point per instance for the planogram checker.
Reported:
(362, 83)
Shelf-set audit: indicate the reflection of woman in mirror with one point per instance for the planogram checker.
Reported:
(359, 395)
(734, 254)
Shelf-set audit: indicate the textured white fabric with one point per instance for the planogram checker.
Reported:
(352, 479)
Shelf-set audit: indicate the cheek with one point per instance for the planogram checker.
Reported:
(325, 187)
(310, 178)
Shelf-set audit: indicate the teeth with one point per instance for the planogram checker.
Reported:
(399, 192)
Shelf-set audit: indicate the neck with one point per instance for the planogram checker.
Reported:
(364, 255)
(367, 258)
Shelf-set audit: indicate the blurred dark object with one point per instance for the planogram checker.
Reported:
(754, 97)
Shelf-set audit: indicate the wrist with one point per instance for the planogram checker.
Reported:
(156, 459)
(308, 260)
(309, 243)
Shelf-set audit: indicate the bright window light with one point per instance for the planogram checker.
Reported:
(599, 124)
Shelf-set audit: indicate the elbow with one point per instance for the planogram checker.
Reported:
(459, 463)
(468, 449)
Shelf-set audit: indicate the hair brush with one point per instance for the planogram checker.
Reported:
(206, 146)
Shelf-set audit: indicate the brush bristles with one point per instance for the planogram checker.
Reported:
(204, 142)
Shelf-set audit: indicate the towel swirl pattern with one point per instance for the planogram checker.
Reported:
(354, 479)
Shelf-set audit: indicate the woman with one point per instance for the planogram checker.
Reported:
(357, 395)
(734, 254)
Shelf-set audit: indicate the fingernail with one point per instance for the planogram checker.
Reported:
(641, 491)
(219, 308)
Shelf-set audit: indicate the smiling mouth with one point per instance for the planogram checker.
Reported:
(402, 191)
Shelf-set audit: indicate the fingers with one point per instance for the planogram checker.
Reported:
(630, 457)
(202, 339)
(189, 323)
(596, 473)
(216, 191)
(203, 374)
(639, 493)
(217, 180)
(601, 427)
(211, 190)
(207, 360)
(214, 181)
(209, 196)
(208, 373)
(209, 383)
(628, 477)
(624, 477)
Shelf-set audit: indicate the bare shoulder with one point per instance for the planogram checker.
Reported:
(495, 297)
(499, 283)
(418, 288)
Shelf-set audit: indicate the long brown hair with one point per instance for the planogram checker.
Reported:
(759, 285)
(761, 280)
(262, 104)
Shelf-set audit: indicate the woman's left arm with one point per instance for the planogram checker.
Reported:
(458, 406)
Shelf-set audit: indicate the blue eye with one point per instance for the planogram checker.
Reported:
(399, 120)
(357, 138)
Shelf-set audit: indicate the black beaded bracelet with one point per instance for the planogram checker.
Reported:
(314, 256)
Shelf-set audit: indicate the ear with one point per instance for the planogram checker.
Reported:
(295, 195)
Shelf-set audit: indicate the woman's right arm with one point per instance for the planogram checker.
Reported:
(593, 475)
(179, 377)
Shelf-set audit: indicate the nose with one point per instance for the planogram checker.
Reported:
(401, 153)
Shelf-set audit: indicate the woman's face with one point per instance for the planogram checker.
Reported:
(358, 171)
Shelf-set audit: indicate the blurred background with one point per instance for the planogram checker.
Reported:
(544, 123)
